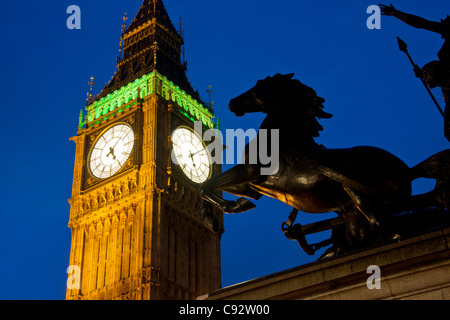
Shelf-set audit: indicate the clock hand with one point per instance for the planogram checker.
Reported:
(197, 152)
(120, 138)
(192, 158)
(111, 149)
(111, 152)
(193, 154)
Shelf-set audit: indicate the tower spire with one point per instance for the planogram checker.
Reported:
(180, 23)
(89, 94)
(152, 9)
(124, 27)
(211, 103)
(150, 43)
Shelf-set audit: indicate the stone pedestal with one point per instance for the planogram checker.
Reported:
(415, 268)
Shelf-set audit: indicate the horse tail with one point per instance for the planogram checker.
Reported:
(435, 167)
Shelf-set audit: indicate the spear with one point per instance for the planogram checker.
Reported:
(404, 47)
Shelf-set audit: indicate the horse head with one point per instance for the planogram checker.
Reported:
(446, 27)
(284, 95)
(270, 93)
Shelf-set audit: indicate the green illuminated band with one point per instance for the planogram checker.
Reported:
(145, 85)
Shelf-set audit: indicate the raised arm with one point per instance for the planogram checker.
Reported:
(412, 20)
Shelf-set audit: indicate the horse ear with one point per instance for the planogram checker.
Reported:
(278, 75)
(322, 114)
(290, 75)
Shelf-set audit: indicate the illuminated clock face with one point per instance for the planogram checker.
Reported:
(111, 151)
(191, 154)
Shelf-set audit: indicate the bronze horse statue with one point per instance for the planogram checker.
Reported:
(356, 183)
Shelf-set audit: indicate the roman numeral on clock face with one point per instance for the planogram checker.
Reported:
(191, 154)
(111, 151)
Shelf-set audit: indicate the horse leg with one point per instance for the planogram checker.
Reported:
(232, 180)
(244, 190)
(365, 205)
(356, 226)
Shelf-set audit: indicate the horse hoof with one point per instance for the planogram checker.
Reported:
(240, 205)
(210, 220)
(245, 205)
(330, 252)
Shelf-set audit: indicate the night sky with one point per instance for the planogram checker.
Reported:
(368, 84)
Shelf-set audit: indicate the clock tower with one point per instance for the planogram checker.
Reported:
(135, 213)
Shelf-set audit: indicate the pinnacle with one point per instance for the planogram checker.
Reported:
(152, 9)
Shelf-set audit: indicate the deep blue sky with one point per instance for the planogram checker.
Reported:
(45, 68)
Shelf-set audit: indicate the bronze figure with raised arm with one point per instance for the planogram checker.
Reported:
(435, 73)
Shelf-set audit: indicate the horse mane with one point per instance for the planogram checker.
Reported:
(308, 105)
